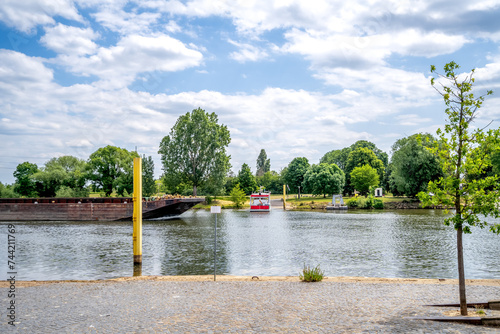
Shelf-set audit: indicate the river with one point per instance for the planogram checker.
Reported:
(404, 244)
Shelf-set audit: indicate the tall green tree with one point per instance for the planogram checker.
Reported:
(462, 153)
(195, 149)
(381, 155)
(338, 157)
(294, 173)
(364, 177)
(263, 163)
(359, 157)
(148, 176)
(25, 185)
(271, 181)
(216, 181)
(324, 179)
(412, 165)
(111, 168)
(246, 179)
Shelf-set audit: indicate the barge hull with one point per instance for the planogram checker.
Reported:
(89, 209)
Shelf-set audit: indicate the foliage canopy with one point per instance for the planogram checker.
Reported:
(413, 165)
(324, 179)
(195, 150)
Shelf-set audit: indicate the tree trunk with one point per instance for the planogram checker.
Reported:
(461, 272)
(194, 191)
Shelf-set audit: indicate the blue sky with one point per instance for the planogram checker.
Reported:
(297, 78)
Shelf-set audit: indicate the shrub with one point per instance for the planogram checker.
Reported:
(209, 200)
(368, 203)
(237, 196)
(311, 274)
(352, 202)
(378, 204)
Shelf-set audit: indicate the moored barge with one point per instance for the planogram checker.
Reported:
(88, 209)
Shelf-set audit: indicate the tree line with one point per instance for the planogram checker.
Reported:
(109, 171)
(195, 162)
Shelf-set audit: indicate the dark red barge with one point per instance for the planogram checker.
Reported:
(88, 209)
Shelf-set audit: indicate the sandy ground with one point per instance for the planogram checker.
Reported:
(200, 278)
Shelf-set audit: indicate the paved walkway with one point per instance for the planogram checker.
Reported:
(155, 306)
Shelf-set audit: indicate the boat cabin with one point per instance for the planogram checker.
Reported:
(260, 202)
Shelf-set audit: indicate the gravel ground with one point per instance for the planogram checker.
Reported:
(152, 306)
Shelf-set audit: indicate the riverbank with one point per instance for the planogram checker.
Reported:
(310, 203)
(175, 304)
(232, 278)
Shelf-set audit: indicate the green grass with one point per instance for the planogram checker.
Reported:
(319, 199)
(223, 202)
(311, 274)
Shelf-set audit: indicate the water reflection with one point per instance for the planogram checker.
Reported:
(410, 243)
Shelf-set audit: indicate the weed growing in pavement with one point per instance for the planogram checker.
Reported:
(311, 274)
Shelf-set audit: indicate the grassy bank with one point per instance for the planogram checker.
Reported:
(309, 202)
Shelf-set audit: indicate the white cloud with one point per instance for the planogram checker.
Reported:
(412, 120)
(70, 40)
(27, 14)
(361, 52)
(247, 52)
(124, 22)
(117, 66)
(397, 88)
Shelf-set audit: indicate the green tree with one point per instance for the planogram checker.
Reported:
(238, 196)
(495, 161)
(263, 163)
(338, 157)
(294, 173)
(66, 171)
(7, 191)
(195, 149)
(462, 153)
(64, 191)
(324, 179)
(246, 179)
(148, 178)
(359, 157)
(271, 181)
(25, 185)
(381, 155)
(111, 168)
(412, 165)
(216, 182)
(230, 181)
(364, 177)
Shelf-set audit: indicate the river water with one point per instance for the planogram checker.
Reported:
(404, 243)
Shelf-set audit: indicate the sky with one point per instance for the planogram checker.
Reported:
(296, 78)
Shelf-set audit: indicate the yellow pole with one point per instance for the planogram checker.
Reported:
(284, 197)
(137, 216)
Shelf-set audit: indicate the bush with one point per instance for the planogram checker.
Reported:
(209, 200)
(368, 203)
(352, 202)
(311, 275)
(238, 196)
(378, 204)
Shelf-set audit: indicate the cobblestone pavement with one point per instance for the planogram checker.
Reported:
(152, 306)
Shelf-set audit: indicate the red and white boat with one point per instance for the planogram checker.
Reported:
(260, 202)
